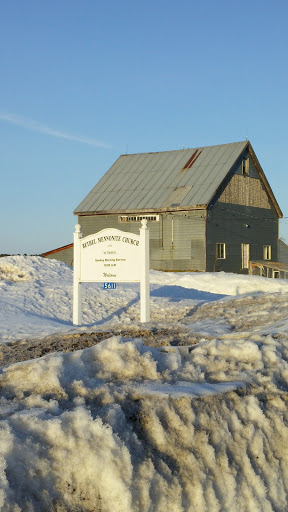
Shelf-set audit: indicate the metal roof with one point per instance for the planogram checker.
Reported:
(168, 179)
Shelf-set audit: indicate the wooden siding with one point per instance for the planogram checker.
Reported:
(246, 191)
(177, 241)
(241, 213)
(65, 255)
(282, 252)
(182, 242)
(234, 225)
(241, 189)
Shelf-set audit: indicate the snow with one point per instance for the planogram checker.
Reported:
(123, 426)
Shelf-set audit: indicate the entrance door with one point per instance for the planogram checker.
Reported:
(245, 255)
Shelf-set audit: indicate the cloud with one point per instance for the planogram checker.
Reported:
(30, 124)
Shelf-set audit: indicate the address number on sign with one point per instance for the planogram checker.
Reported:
(109, 286)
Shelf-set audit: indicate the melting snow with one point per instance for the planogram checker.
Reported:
(125, 427)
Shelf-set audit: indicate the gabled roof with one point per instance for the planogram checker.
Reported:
(169, 180)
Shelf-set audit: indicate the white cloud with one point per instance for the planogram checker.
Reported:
(30, 124)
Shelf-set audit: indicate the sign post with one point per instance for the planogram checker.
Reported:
(111, 256)
(144, 273)
(77, 285)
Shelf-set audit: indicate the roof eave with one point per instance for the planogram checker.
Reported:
(167, 209)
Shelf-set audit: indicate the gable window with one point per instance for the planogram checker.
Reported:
(245, 166)
(266, 252)
(221, 251)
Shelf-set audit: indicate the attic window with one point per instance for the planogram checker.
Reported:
(245, 166)
(138, 218)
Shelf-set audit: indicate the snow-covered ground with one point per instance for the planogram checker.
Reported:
(122, 426)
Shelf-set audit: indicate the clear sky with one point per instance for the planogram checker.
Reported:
(85, 81)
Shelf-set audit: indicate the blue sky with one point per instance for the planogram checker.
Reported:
(83, 82)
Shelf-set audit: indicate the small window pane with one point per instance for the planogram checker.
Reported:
(267, 252)
(221, 251)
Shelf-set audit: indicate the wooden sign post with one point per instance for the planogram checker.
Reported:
(111, 256)
(77, 287)
(144, 273)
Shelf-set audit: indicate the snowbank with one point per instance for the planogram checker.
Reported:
(123, 427)
(220, 282)
(36, 297)
(126, 428)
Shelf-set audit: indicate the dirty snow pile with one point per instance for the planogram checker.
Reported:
(125, 427)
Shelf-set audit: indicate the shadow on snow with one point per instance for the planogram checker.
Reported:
(177, 293)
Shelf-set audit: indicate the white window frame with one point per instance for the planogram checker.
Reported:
(221, 251)
(276, 274)
(138, 218)
(245, 255)
(267, 252)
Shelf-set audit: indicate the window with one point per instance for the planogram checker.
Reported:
(245, 166)
(266, 252)
(221, 251)
(245, 250)
(276, 274)
(138, 218)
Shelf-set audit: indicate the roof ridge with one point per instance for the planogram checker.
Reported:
(185, 149)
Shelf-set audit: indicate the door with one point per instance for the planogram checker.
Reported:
(245, 255)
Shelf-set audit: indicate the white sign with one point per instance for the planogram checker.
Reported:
(115, 256)
(110, 255)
